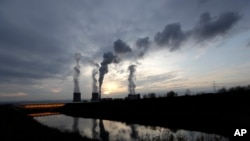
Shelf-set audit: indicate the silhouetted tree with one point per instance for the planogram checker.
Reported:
(248, 88)
(151, 95)
(222, 90)
(188, 92)
(171, 94)
(237, 89)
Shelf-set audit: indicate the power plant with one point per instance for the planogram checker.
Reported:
(108, 58)
(77, 93)
(120, 48)
(95, 97)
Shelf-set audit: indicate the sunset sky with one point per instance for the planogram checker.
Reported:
(176, 45)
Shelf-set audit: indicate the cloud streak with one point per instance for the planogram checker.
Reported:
(14, 94)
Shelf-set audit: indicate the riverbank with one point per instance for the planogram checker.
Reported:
(15, 125)
(218, 114)
(211, 113)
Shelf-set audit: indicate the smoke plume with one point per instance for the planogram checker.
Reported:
(108, 58)
(77, 73)
(94, 80)
(120, 48)
(142, 44)
(131, 84)
(209, 27)
(172, 36)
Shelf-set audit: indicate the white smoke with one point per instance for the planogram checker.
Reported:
(94, 79)
(77, 73)
(131, 77)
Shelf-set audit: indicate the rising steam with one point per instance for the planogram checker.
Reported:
(94, 73)
(131, 84)
(108, 58)
(77, 73)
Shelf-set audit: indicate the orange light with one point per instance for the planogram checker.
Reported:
(34, 106)
(43, 114)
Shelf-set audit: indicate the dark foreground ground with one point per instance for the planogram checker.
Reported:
(220, 114)
(16, 126)
(211, 113)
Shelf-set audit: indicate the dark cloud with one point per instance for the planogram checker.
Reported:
(172, 36)
(248, 44)
(143, 44)
(38, 39)
(210, 27)
(202, 1)
(24, 67)
(32, 45)
(207, 28)
(120, 47)
(108, 58)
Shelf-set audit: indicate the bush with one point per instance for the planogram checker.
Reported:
(171, 94)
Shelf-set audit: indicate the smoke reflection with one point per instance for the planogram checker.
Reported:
(112, 130)
(75, 124)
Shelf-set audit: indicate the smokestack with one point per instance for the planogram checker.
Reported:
(77, 93)
(131, 84)
(108, 58)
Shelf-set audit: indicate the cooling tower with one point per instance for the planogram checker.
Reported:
(95, 97)
(76, 97)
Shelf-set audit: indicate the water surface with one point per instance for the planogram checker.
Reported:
(114, 130)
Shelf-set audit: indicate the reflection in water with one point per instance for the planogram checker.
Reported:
(43, 114)
(75, 125)
(104, 135)
(112, 130)
(94, 130)
(134, 132)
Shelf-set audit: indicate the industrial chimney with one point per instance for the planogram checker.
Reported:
(77, 93)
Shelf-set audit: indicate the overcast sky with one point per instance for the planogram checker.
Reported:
(176, 45)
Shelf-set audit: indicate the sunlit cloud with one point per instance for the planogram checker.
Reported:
(56, 90)
(14, 94)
